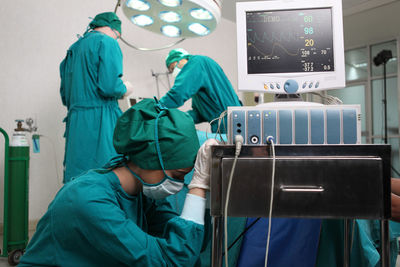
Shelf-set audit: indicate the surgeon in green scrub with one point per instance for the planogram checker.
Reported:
(365, 237)
(110, 216)
(90, 87)
(203, 80)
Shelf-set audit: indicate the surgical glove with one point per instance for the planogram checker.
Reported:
(201, 175)
(129, 88)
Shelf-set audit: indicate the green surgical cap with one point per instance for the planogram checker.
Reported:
(109, 19)
(176, 55)
(135, 136)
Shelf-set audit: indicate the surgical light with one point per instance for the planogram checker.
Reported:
(171, 31)
(140, 5)
(201, 14)
(174, 18)
(171, 3)
(199, 29)
(142, 20)
(170, 16)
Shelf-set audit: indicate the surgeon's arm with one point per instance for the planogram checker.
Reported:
(187, 83)
(395, 198)
(395, 185)
(111, 232)
(62, 85)
(195, 202)
(109, 81)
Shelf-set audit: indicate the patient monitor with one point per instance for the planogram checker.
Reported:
(290, 47)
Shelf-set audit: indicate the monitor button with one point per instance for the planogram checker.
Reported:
(304, 85)
(310, 85)
(278, 86)
(317, 85)
(271, 86)
(291, 86)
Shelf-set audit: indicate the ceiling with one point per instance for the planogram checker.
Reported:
(349, 6)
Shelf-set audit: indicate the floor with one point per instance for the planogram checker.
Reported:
(4, 262)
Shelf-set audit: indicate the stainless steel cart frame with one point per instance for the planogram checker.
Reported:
(311, 181)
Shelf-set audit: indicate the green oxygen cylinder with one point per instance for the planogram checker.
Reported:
(18, 190)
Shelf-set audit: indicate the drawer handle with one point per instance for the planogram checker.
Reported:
(302, 188)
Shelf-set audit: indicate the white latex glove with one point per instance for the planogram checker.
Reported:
(129, 88)
(201, 175)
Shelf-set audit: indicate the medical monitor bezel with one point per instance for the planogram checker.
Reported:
(275, 82)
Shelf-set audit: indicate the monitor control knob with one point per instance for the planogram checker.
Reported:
(291, 86)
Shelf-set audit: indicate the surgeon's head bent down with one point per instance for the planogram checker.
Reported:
(108, 217)
(161, 146)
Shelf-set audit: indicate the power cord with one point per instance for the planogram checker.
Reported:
(242, 233)
(221, 118)
(238, 142)
(270, 140)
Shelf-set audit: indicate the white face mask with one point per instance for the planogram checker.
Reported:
(176, 71)
(163, 190)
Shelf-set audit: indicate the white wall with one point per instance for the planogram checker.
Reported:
(34, 38)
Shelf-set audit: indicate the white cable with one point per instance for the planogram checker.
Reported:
(270, 139)
(210, 123)
(238, 141)
(223, 123)
(219, 118)
(330, 100)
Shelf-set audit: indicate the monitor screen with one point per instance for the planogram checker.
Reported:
(288, 46)
(289, 41)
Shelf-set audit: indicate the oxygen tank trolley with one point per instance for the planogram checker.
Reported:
(16, 190)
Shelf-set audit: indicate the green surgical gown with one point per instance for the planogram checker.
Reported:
(93, 222)
(203, 80)
(235, 225)
(90, 87)
(366, 243)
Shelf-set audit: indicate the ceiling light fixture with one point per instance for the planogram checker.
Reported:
(189, 18)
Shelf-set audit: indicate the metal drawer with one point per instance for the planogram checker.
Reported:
(310, 182)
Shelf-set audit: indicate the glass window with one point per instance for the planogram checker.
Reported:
(391, 65)
(356, 64)
(378, 109)
(394, 142)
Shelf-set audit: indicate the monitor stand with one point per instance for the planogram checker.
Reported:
(287, 97)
